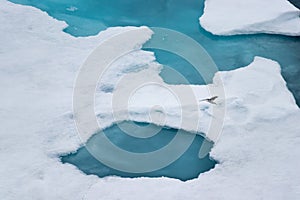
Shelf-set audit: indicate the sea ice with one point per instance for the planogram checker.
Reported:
(233, 17)
(257, 151)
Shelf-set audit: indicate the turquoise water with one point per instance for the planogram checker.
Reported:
(188, 166)
(88, 17)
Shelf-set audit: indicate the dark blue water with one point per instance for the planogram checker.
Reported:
(295, 3)
(188, 166)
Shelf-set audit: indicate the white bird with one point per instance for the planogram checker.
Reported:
(210, 100)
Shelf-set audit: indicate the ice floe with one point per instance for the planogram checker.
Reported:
(233, 17)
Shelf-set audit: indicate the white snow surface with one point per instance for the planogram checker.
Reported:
(233, 17)
(257, 151)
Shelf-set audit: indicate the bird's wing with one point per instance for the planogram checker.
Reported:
(213, 98)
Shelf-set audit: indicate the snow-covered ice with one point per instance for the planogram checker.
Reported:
(233, 17)
(257, 151)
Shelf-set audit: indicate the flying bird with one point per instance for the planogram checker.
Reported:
(211, 100)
